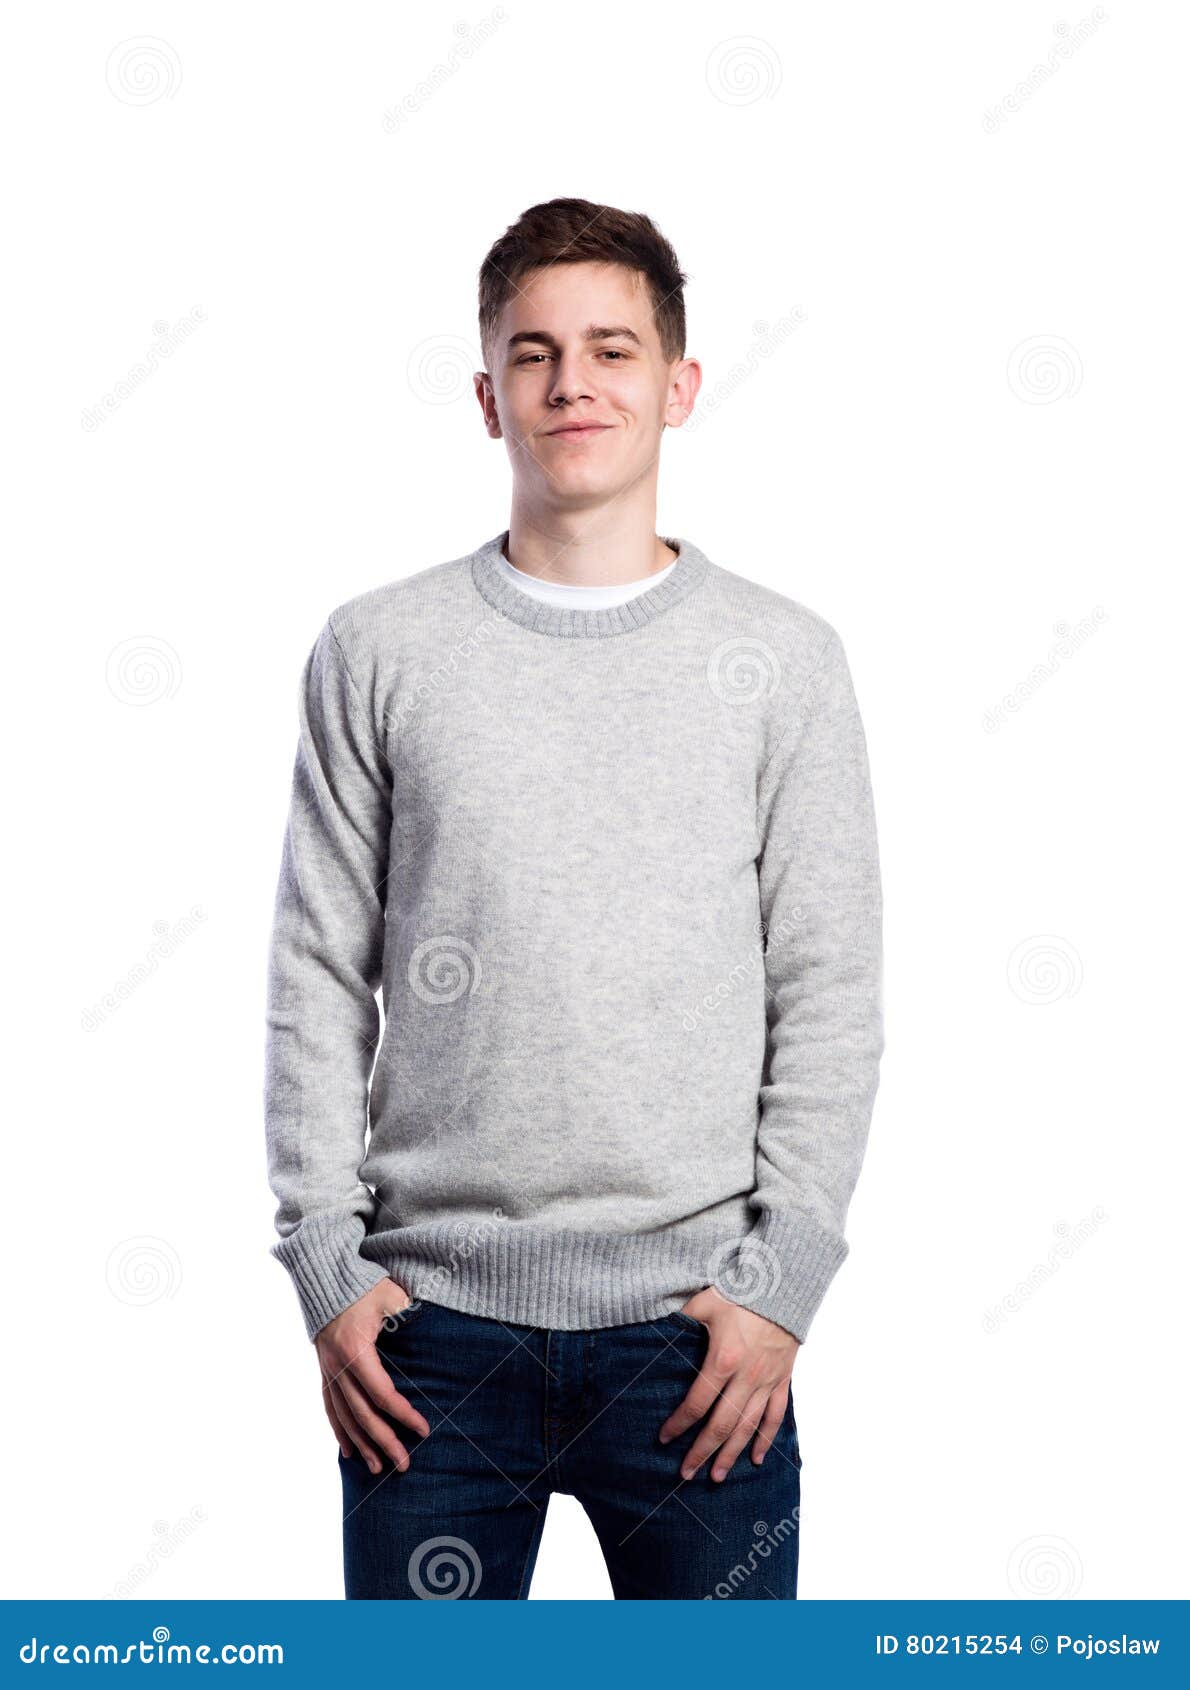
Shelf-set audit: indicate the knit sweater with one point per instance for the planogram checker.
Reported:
(614, 875)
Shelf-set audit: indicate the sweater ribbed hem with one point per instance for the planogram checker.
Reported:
(689, 569)
(323, 1259)
(568, 1280)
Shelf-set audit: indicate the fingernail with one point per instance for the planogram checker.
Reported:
(687, 1472)
(665, 1436)
(718, 1472)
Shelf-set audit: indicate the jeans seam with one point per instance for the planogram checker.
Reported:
(533, 1537)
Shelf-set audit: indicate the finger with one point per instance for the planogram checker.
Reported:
(749, 1422)
(353, 1428)
(344, 1441)
(368, 1371)
(697, 1403)
(375, 1429)
(363, 1364)
(774, 1414)
(724, 1419)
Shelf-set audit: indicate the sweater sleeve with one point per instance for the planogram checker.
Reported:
(324, 969)
(821, 907)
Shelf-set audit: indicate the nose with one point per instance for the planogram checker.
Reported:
(572, 380)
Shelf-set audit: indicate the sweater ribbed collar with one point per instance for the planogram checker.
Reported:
(689, 569)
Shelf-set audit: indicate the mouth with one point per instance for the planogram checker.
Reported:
(578, 431)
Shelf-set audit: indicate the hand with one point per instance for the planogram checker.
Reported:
(747, 1366)
(355, 1386)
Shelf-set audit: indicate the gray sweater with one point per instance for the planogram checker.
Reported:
(614, 874)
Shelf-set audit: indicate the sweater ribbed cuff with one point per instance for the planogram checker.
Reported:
(783, 1269)
(322, 1258)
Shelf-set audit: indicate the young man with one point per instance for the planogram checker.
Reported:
(594, 814)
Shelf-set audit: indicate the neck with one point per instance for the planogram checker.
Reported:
(586, 550)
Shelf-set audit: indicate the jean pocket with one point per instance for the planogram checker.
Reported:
(687, 1322)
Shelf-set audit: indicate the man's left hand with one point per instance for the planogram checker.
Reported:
(744, 1384)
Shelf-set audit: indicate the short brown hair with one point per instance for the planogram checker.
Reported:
(567, 231)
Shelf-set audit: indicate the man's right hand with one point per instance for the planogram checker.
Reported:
(356, 1390)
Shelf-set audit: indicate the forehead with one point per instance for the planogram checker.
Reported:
(565, 298)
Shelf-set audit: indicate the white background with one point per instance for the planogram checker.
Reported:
(974, 437)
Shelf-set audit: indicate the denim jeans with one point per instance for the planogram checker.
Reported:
(518, 1412)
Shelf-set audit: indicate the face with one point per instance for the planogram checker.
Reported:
(579, 388)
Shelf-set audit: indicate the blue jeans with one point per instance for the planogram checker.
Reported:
(518, 1412)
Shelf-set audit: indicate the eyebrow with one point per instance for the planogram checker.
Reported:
(595, 331)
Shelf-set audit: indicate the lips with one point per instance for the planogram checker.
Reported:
(577, 429)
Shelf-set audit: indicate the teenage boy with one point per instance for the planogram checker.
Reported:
(593, 814)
